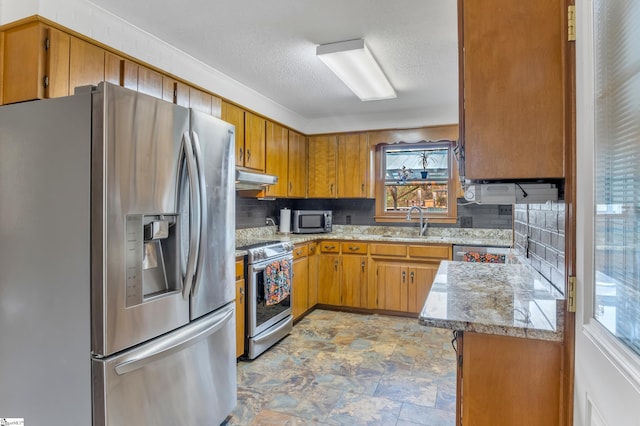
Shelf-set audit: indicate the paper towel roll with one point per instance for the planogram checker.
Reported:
(285, 221)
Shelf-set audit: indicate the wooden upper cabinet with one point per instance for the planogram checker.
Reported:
(254, 141)
(353, 166)
(297, 186)
(277, 158)
(149, 82)
(112, 68)
(175, 91)
(322, 167)
(512, 61)
(235, 115)
(86, 64)
(35, 63)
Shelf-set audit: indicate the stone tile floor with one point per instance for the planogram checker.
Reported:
(339, 368)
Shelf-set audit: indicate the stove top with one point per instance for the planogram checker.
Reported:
(266, 250)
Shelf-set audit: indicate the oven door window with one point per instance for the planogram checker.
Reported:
(268, 305)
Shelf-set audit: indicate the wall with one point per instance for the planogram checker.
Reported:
(252, 213)
(539, 236)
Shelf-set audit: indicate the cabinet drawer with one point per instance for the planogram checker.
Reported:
(300, 251)
(435, 252)
(388, 249)
(329, 247)
(354, 248)
(239, 269)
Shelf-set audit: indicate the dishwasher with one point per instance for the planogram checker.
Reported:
(481, 254)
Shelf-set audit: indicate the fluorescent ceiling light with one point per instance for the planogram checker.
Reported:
(352, 62)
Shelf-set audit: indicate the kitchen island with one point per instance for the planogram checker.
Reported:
(507, 324)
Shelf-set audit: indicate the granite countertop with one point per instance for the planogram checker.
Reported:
(503, 299)
(391, 234)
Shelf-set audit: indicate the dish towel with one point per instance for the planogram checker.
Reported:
(474, 256)
(277, 282)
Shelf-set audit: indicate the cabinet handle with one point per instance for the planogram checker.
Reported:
(331, 188)
(363, 188)
(290, 187)
(411, 275)
(241, 154)
(335, 265)
(329, 247)
(241, 294)
(248, 155)
(362, 264)
(352, 248)
(404, 277)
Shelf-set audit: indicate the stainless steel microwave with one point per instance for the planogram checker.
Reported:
(311, 221)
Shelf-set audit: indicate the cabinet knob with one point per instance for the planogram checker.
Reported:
(404, 277)
(362, 265)
(411, 276)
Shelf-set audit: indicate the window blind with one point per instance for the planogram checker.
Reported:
(617, 168)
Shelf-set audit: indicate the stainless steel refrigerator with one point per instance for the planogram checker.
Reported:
(117, 219)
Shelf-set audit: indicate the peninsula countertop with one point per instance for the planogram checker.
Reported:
(501, 299)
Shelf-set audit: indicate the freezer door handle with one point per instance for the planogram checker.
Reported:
(194, 215)
(202, 186)
(177, 341)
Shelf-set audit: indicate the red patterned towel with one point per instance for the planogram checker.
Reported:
(277, 282)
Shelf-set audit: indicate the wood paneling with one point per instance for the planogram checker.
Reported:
(509, 380)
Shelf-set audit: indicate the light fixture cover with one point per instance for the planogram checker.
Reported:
(352, 62)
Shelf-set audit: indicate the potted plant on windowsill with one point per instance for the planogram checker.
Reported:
(425, 158)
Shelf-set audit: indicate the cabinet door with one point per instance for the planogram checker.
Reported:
(254, 142)
(329, 279)
(513, 88)
(112, 68)
(277, 158)
(420, 281)
(392, 285)
(322, 167)
(235, 115)
(353, 287)
(353, 166)
(199, 100)
(313, 274)
(86, 64)
(149, 82)
(240, 308)
(297, 170)
(300, 292)
(31, 71)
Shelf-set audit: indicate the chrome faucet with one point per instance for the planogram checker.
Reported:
(270, 220)
(424, 222)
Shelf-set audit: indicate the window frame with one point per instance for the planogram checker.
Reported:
(446, 134)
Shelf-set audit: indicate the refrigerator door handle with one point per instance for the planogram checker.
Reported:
(202, 185)
(177, 341)
(194, 215)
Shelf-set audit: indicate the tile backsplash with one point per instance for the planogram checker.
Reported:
(539, 237)
(251, 212)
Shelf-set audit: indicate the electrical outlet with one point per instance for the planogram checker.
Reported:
(505, 210)
(466, 222)
(348, 219)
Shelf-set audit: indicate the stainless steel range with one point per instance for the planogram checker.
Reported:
(269, 293)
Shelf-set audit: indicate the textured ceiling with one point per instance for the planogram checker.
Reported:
(269, 46)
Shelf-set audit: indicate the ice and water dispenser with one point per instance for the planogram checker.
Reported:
(152, 259)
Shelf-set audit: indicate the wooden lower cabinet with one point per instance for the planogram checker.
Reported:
(353, 285)
(300, 291)
(404, 286)
(240, 307)
(313, 273)
(504, 381)
(329, 272)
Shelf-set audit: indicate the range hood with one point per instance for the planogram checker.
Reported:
(247, 180)
(510, 193)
